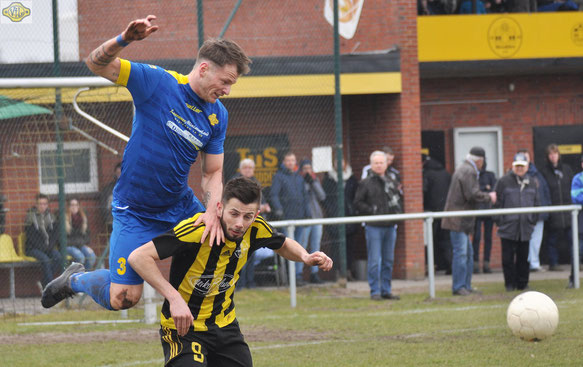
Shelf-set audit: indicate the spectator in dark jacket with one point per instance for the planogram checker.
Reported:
(379, 194)
(516, 189)
(464, 194)
(436, 182)
(544, 198)
(289, 199)
(559, 177)
(330, 186)
(106, 197)
(487, 182)
(312, 235)
(41, 238)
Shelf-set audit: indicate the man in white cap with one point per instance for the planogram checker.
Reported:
(516, 189)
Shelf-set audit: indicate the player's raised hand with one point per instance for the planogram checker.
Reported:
(213, 228)
(139, 29)
(319, 259)
(181, 315)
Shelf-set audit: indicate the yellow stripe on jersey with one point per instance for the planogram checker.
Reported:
(181, 79)
(124, 73)
(263, 229)
(186, 227)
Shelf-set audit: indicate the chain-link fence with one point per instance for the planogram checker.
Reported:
(286, 104)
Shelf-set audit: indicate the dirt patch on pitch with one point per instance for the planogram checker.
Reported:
(252, 334)
(80, 338)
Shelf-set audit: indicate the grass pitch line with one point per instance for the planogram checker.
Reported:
(135, 363)
(316, 342)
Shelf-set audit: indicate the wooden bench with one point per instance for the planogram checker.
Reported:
(10, 260)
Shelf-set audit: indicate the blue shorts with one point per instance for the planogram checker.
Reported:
(132, 229)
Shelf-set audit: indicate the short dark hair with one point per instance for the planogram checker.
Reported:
(243, 189)
(41, 196)
(224, 52)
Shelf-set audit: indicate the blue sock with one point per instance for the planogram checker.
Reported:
(96, 284)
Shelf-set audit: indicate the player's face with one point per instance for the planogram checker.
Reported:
(216, 81)
(378, 164)
(236, 217)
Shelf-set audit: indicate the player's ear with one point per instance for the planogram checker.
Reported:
(203, 68)
(220, 208)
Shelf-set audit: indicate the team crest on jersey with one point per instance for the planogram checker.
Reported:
(213, 119)
(207, 285)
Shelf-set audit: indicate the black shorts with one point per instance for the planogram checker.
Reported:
(217, 347)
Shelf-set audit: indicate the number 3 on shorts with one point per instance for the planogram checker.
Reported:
(197, 350)
(122, 266)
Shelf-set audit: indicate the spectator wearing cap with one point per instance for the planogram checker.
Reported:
(516, 189)
(577, 197)
(544, 197)
(559, 178)
(464, 194)
(312, 234)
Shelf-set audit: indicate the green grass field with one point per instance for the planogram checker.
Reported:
(328, 328)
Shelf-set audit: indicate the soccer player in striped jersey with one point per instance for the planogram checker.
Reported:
(198, 321)
(178, 118)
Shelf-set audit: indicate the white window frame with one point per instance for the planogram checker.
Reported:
(71, 187)
(457, 132)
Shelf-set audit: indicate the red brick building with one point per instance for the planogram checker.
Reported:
(517, 93)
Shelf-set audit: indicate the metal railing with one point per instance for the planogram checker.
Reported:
(428, 218)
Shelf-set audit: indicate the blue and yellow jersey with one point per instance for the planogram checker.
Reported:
(205, 276)
(171, 125)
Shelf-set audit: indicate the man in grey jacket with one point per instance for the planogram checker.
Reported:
(516, 189)
(464, 194)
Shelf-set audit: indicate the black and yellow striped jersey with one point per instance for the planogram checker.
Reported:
(205, 276)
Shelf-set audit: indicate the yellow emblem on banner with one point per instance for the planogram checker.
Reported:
(504, 37)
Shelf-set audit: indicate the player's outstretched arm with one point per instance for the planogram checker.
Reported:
(293, 251)
(143, 261)
(103, 60)
(212, 187)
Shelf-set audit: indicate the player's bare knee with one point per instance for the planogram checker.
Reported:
(124, 297)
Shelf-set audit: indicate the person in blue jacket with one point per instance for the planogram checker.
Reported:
(289, 199)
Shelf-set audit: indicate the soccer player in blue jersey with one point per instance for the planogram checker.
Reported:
(178, 117)
(198, 319)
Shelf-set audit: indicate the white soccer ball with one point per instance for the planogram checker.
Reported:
(532, 316)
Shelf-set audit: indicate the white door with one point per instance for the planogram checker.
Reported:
(487, 137)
